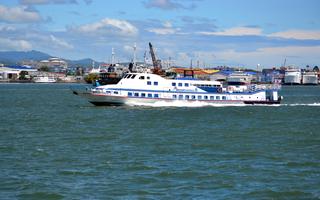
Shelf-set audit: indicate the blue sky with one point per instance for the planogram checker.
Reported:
(241, 33)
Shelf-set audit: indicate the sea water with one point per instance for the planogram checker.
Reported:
(55, 145)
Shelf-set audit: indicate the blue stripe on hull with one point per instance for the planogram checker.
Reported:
(184, 91)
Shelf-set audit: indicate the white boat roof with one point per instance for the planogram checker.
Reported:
(185, 79)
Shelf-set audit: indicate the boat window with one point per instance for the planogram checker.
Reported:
(141, 77)
(155, 83)
(217, 97)
(136, 94)
(143, 94)
(108, 92)
(150, 95)
(130, 94)
(148, 77)
(199, 97)
(180, 84)
(148, 82)
(224, 98)
(115, 92)
(205, 97)
(180, 96)
(156, 95)
(211, 97)
(174, 96)
(193, 96)
(186, 84)
(187, 97)
(174, 84)
(129, 75)
(133, 76)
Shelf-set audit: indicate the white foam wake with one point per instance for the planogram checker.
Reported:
(206, 104)
(182, 104)
(301, 104)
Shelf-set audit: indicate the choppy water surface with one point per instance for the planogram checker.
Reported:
(55, 145)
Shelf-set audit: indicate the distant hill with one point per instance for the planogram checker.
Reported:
(83, 62)
(15, 57)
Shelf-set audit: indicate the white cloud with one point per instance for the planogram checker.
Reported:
(297, 34)
(18, 15)
(5, 28)
(272, 56)
(236, 31)
(167, 29)
(251, 31)
(162, 31)
(167, 24)
(128, 48)
(9, 44)
(60, 43)
(183, 58)
(108, 26)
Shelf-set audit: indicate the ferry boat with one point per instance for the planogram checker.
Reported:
(239, 78)
(310, 78)
(135, 88)
(44, 79)
(292, 77)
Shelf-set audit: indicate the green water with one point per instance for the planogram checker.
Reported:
(55, 145)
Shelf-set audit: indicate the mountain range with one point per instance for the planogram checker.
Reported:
(16, 57)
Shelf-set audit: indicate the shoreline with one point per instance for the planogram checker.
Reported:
(29, 81)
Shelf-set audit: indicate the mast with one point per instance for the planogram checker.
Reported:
(134, 54)
(284, 64)
(145, 58)
(112, 56)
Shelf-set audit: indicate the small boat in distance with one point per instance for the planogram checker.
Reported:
(144, 88)
(292, 76)
(44, 79)
(310, 78)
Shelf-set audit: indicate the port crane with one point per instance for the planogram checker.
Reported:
(157, 68)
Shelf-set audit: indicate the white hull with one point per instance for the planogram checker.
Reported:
(310, 79)
(102, 99)
(44, 79)
(292, 78)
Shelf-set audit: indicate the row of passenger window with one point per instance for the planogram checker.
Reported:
(198, 97)
(206, 85)
(132, 76)
(137, 94)
(187, 85)
(180, 84)
(154, 83)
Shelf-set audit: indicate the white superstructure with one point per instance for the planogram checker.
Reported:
(239, 78)
(44, 79)
(292, 77)
(310, 78)
(151, 88)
